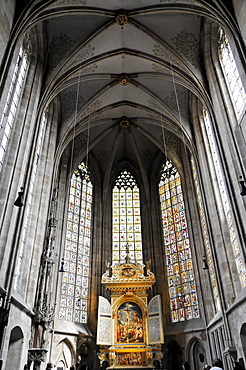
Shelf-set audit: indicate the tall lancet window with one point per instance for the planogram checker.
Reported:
(29, 200)
(240, 262)
(74, 294)
(13, 98)
(126, 219)
(181, 283)
(231, 73)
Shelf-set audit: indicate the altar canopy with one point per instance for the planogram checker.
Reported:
(130, 330)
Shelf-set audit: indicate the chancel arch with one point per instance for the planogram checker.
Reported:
(123, 183)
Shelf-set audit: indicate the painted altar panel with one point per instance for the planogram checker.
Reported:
(155, 321)
(136, 328)
(131, 358)
(104, 327)
(130, 328)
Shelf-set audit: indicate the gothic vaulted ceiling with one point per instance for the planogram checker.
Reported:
(123, 73)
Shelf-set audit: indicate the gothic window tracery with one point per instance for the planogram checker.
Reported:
(181, 282)
(13, 99)
(225, 199)
(29, 200)
(126, 219)
(75, 279)
(208, 257)
(232, 76)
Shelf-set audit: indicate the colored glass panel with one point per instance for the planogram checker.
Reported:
(182, 288)
(12, 101)
(205, 237)
(29, 202)
(6, 125)
(231, 73)
(74, 292)
(225, 199)
(126, 221)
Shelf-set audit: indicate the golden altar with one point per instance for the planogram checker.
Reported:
(129, 330)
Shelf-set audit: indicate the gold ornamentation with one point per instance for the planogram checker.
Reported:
(159, 355)
(128, 272)
(121, 19)
(112, 358)
(149, 356)
(128, 277)
(223, 43)
(102, 356)
(124, 80)
(124, 122)
(128, 284)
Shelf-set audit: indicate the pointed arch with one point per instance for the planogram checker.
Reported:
(181, 282)
(196, 354)
(64, 353)
(75, 280)
(174, 355)
(231, 74)
(226, 202)
(126, 220)
(13, 98)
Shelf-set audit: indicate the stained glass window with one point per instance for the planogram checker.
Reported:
(126, 219)
(74, 291)
(30, 194)
(12, 101)
(181, 283)
(231, 74)
(206, 238)
(225, 199)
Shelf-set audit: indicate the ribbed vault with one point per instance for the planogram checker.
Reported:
(124, 74)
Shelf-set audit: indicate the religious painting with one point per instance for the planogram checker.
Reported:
(128, 272)
(129, 324)
(130, 358)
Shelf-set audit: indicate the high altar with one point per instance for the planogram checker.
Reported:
(129, 331)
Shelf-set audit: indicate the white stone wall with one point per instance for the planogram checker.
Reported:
(17, 318)
(240, 11)
(7, 9)
(20, 314)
